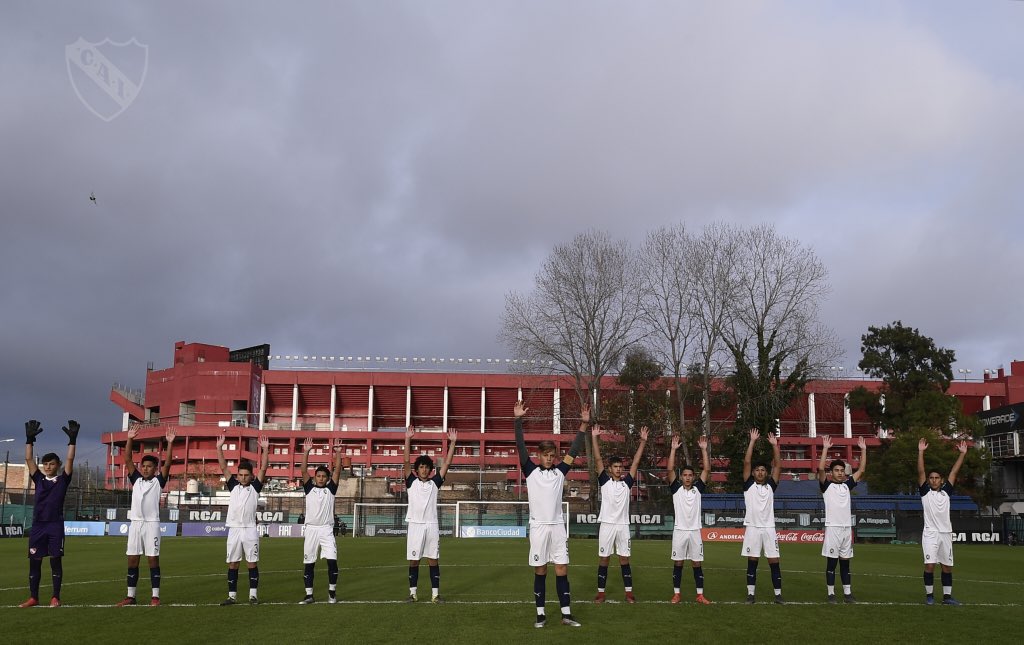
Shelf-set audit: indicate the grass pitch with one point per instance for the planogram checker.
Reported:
(489, 587)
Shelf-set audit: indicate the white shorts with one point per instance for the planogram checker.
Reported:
(838, 542)
(422, 541)
(937, 547)
(548, 543)
(687, 545)
(322, 538)
(756, 539)
(143, 538)
(613, 538)
(243, 542)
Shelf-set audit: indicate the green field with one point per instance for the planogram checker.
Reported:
(489, 592)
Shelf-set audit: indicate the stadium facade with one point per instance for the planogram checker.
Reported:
(210, 390)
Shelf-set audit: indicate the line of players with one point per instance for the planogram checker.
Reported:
(548, 539)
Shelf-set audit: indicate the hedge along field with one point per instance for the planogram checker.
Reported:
(488, 588)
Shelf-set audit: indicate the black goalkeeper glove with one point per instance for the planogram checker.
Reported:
(71, 430)
(32, 430)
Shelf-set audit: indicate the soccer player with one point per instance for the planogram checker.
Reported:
(937, 537)
(144, 530)
(686, 497)
(548, 539)
(838, 545)
(243, 537)
(318, 533)
(613, 536)
(424, 535)
(46, 538)
(759, 518)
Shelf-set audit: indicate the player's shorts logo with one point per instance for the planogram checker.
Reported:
(414, 552)
(536, 557)
(602, 549)
(673, 554)
(106, 76)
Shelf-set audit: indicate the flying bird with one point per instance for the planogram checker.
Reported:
(92, 198)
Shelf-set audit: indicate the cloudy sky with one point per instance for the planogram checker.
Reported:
(374, 177)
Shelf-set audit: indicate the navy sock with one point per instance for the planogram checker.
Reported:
(776, 575)
(254, 578)
(57, 574)
(677, 576)
(154, 577)
(35, 572)
(414, 577)
(435, 576)
(929, 579)
(133, 577)
(332, 572)
(698, 576)
(830, 571)
(232, 580)
(751, 572)
(602, 576)
(947, 580)
(539, 588)
(307, 574)
(627, 576)
(844, 571)
(562, 587)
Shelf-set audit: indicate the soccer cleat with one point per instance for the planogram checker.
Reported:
(832, 599)
(950, 600)
(55, 602)
(599, 598)
(128, 601)
(229, 601)
(31, 602)
(253, 600)
(332, 598)
(437, 600)
(779, 600)
(929, 599)
(849, 599)
(567, 619)
(701, 600)
(630, 598)
(750, 599)
(308, 600)
(541, 619)
(155, 601)
(675, 599)
(411, 598)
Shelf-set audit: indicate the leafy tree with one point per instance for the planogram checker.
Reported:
(893, 469)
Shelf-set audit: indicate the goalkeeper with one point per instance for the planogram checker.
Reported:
(548, 539)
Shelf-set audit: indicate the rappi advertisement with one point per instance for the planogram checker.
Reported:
(736, 535)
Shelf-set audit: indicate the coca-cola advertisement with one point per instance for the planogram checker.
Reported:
(736, 535)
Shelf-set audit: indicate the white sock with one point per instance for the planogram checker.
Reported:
(700, 591)
(540, 611)
(947, 591)
(831, 589)
(131, 592)
(750, 590)
(156, 592)
(309, 591)
(846, 590)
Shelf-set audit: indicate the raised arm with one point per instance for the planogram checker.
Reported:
(635, 465)
(962, 447)
(826, 443)
(776, 457)
(409, 432)
(755, 434)
(265, 461)
(453, 435)
(579, 442)
(922, 476)
(705, 472)
(32, 430)
(336, 472)
(220, 457)
(71, 430)
(676, 442)
(863, 445)
(129, 445)
(165, 469)
(307, 446)
(596, 432)
(518, 412)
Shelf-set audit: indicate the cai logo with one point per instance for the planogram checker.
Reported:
(106, 76)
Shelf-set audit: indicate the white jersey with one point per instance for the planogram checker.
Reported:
(145, 497)
(614, 499)
(544, 490)
(838, 505)
(320, 503)
(242, 503)
(422, 499)
(686, 503)
(936, 508)
(759, 502)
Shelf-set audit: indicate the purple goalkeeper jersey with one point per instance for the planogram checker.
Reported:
(49, 505)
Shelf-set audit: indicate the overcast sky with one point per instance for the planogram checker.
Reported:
(374, 177)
